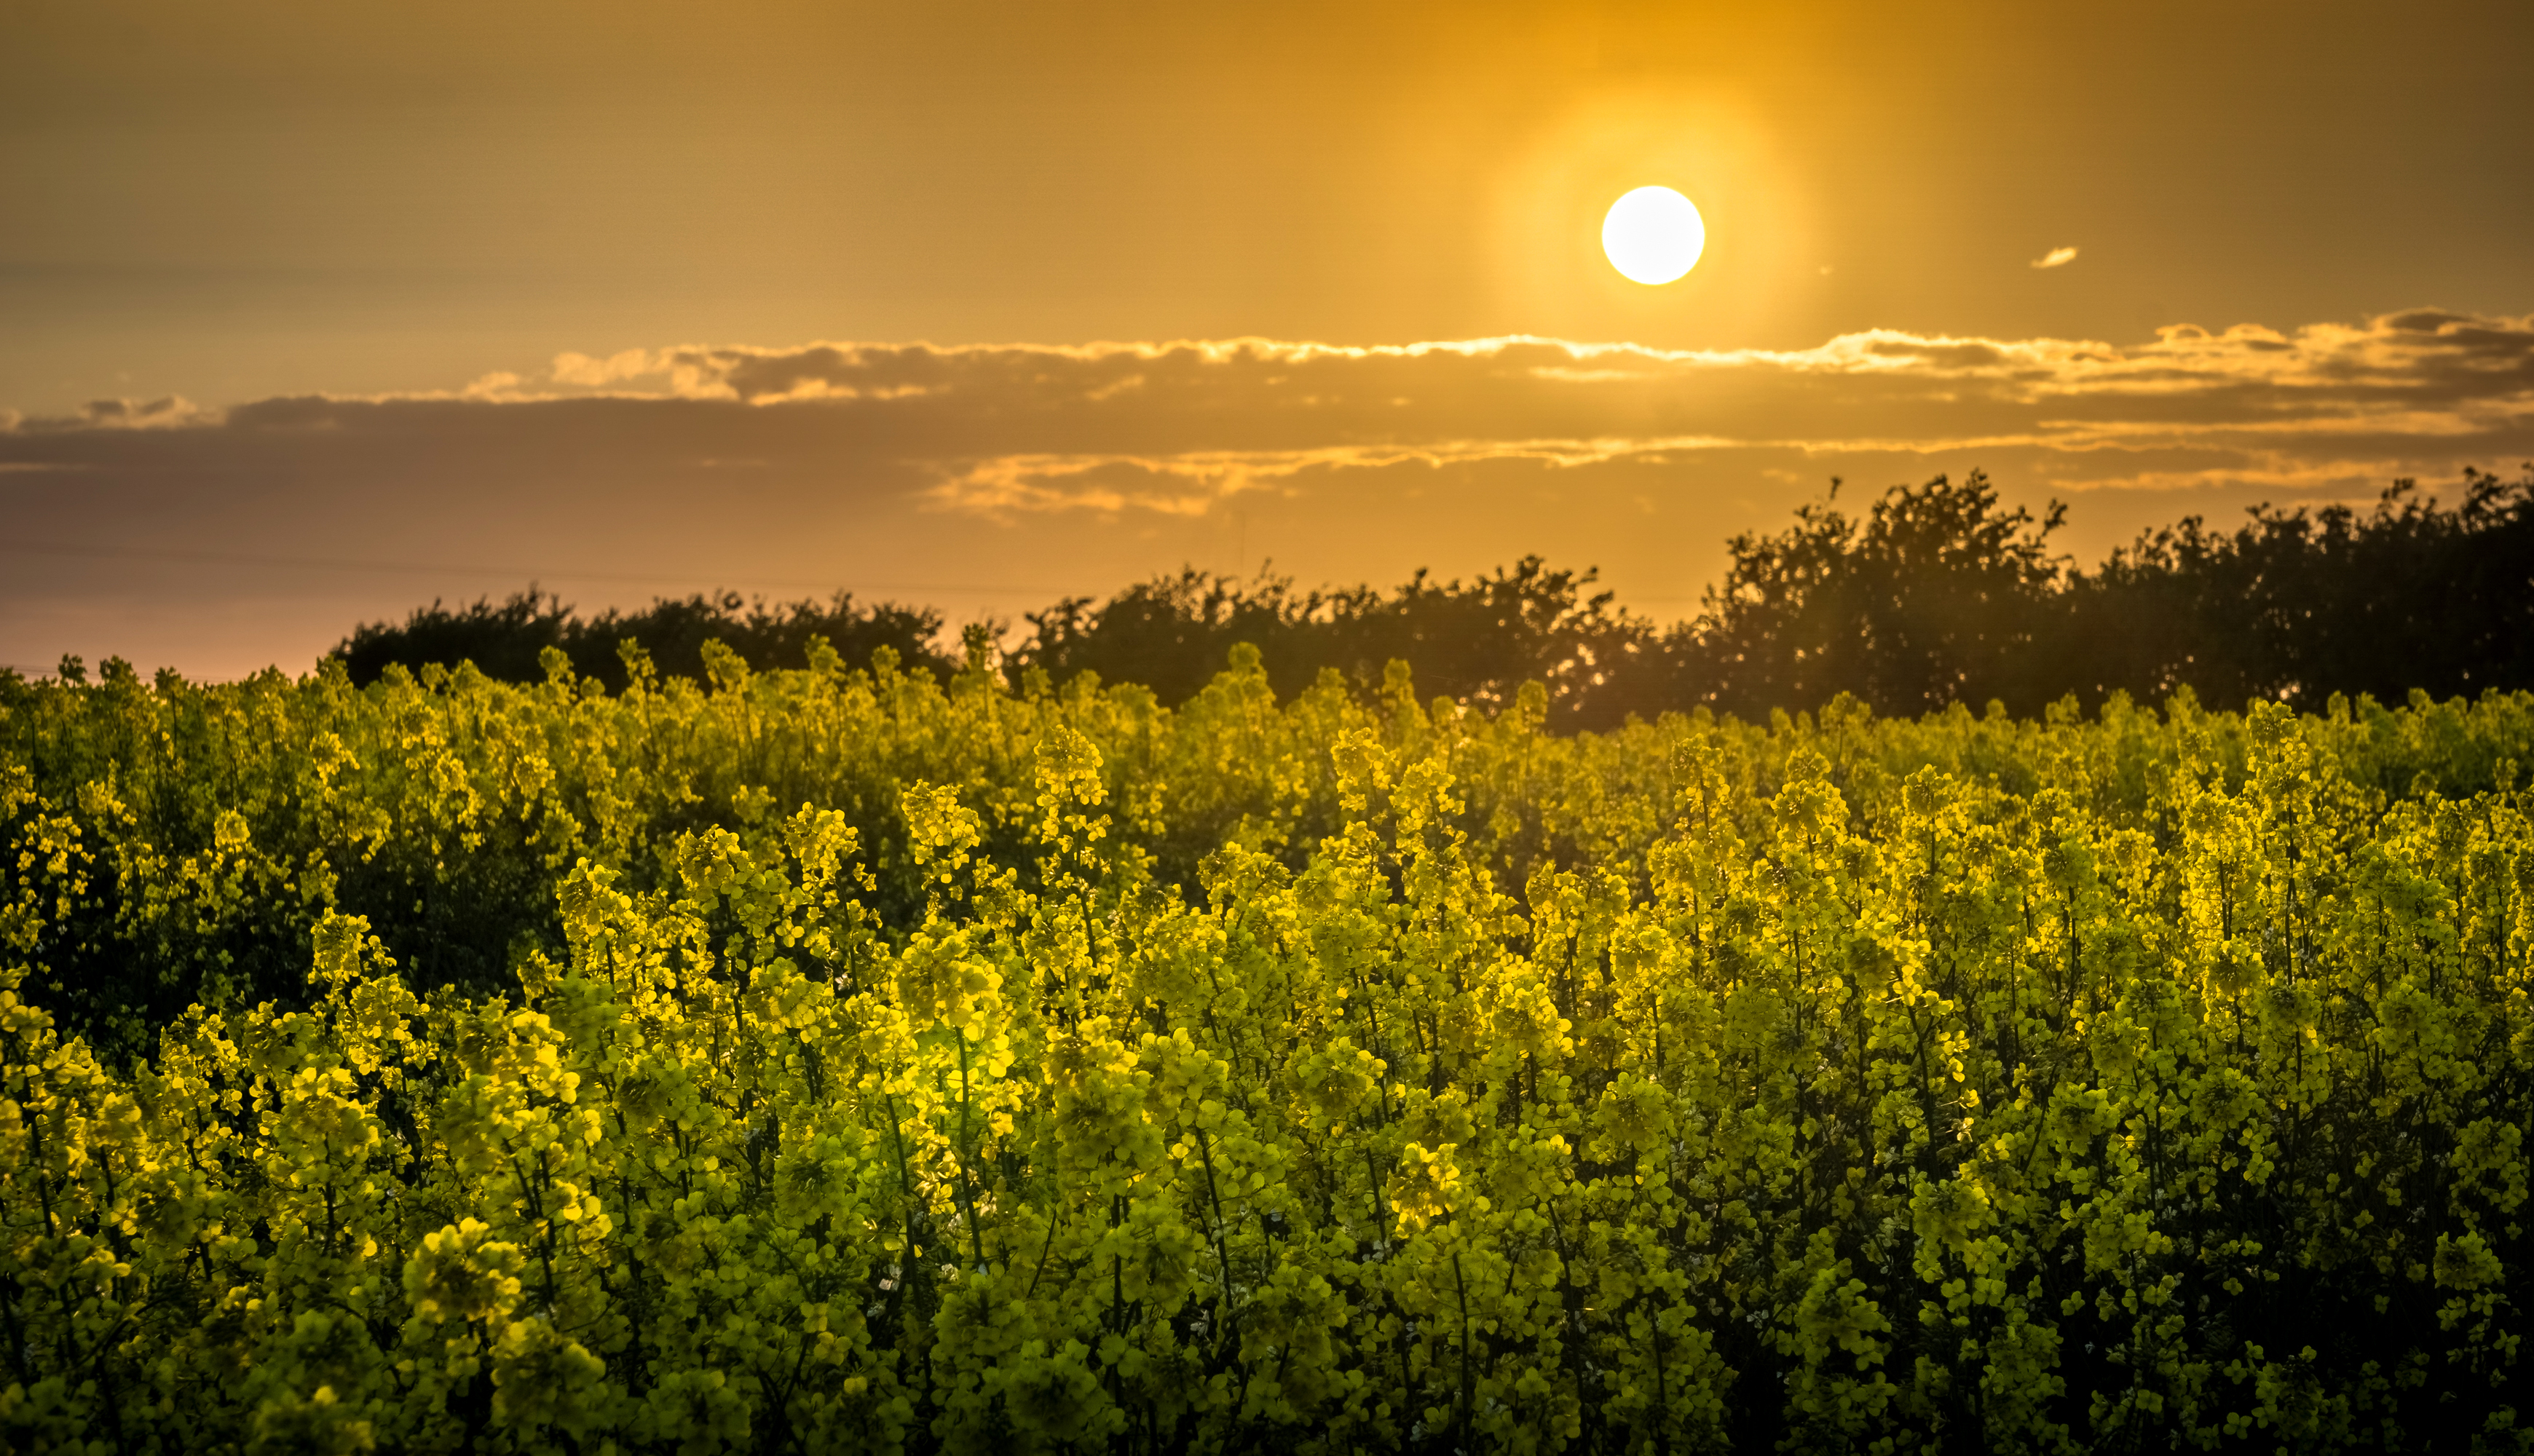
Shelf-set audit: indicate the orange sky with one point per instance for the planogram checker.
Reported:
(457, 294)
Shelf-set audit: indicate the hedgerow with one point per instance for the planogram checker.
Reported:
(942, 1069)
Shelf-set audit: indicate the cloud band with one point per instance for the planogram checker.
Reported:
(706, 465)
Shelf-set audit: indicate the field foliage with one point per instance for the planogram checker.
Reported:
(840, 1060)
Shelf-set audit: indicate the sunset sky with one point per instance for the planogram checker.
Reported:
(310, 313)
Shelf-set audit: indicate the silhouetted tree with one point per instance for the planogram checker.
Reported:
(1938, 593)
(504, 642)
(2297, 606)
(1477, 642)
(1936, 596)
(1173, 633)
(674, 630)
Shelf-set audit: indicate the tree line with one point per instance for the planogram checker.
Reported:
(507, 640)
(1931, 595)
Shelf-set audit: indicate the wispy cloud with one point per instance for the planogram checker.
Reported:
(2056, 258)
(1167, 426)
(870, 461)
(170, 412)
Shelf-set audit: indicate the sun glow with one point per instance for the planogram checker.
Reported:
(1654, 235)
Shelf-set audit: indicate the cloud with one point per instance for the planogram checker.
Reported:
(2056, 258)
(171, 412)
(1167, 427)
(869, 464)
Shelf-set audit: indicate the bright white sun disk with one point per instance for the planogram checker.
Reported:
(1654, 235)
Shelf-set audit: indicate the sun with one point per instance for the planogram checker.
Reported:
(1654, 235)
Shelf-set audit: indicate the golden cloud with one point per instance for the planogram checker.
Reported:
(914, 451)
